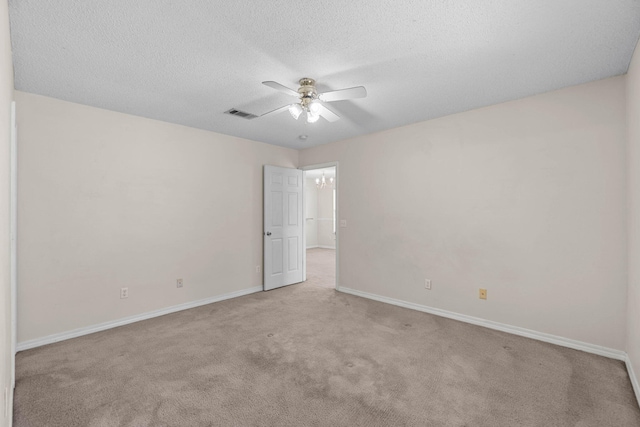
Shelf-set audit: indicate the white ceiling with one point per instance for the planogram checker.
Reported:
(187, 62)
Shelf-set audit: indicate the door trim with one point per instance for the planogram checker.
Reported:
(14, 243)
(304, 231)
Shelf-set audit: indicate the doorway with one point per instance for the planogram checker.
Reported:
(320, 213)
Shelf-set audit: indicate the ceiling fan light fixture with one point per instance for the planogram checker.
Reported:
(310, 102)
(312, 118)
(315, 107)
(295, 110)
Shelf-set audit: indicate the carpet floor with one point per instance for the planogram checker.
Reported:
(310, 356)
(321, 267)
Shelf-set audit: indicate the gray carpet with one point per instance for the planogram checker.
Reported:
(310, 356)
(321, 267)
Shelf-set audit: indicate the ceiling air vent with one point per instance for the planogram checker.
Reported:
(243, 114)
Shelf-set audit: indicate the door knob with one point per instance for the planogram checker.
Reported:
(268, 233)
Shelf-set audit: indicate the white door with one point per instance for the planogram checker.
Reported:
(283, 222)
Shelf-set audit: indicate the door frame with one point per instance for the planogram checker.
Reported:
(14, 246)
(304, 229)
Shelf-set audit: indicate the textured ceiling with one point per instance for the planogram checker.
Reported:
(187, 62)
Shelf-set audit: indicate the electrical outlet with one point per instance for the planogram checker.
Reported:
(124, 293)
(179, 283)
(427, 284)
(343, 223)
(258, 269)
(483, 293)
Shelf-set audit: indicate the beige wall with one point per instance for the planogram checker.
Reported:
(525, 198)
(6, 96)
(633, 163)
(108, 200)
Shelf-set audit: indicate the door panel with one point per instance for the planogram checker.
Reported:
(276, 260)
(293, 209)
(293, 254)
(276, 209)
(283, 226)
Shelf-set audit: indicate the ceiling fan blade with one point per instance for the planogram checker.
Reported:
(277, 110)
(342, 94)
(281, 88)
(327, 114)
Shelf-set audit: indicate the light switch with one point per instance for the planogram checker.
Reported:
(343, 223)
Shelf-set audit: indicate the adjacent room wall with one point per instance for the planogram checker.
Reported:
(326, 238)
(6, 97)
(526, 199)
(311, 213)
(633, 163)
(319, 216)
(109, 200)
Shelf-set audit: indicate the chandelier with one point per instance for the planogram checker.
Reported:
(322, 183)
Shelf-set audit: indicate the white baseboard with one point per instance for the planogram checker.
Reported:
(37, 342)
(326, 247)
(313, 247)
(633, 378)
(540, 336)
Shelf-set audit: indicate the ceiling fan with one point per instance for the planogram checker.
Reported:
(311, 103)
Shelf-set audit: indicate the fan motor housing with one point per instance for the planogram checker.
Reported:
(307, 91)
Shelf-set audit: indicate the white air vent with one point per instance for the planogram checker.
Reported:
(243, 114)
